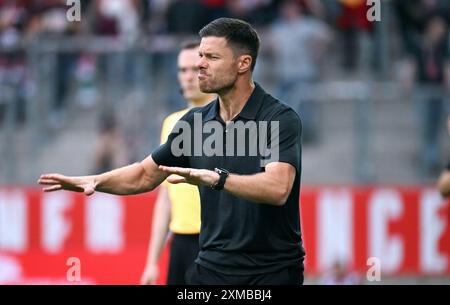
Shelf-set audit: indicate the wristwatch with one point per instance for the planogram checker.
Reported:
(223, 173)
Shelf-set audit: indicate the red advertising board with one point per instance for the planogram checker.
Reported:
(44, 236)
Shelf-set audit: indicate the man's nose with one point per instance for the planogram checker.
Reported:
(201, 63)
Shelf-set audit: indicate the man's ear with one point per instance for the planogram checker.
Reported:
(245, 63)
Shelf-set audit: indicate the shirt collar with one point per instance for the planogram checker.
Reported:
(249, 111)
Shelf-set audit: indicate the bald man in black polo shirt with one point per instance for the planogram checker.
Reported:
(243, 151)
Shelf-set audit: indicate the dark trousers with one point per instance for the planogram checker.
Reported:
(183, 252)
(199, 275)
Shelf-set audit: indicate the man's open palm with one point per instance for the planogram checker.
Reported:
(56, 182)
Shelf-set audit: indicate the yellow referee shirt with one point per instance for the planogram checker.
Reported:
(185, 211)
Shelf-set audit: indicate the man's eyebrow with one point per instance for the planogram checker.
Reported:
(208, 53)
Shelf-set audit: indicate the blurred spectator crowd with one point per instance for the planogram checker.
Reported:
(300, 28)
(297, 35)
(305, 22)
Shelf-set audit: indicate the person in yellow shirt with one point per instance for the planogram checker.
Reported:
(177, 207)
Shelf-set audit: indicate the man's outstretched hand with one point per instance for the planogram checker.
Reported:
(56, 182)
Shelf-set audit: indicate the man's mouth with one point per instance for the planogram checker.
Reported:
(202, 76)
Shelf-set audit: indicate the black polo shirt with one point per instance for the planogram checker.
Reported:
(238, 236)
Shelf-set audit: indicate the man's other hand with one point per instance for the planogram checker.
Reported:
(191, 175)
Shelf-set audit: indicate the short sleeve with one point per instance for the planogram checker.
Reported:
(285, 138)
(167, 127)
(165, 154)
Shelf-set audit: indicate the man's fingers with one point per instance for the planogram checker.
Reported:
(172, 170)
(48, 181)
(52, 188)
(56, 178)
(176, 180)
(89, 190)
(52, 176)
(176, 170)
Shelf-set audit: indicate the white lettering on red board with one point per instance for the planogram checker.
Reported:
(335, 228)
(13, 221)
(56, 227)
(431, 229)
(104, 224)
(385, 206)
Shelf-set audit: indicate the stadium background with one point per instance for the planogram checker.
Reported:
(83, 97)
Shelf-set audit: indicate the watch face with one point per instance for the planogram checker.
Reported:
(221, 171)
(224, 171)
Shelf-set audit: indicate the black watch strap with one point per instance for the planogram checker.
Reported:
(223, 173)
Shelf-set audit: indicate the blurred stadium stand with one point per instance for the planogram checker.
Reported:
(57, 79)
(359, 116)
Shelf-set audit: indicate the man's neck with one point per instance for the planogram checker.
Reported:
(233, 101)
(200, 102)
